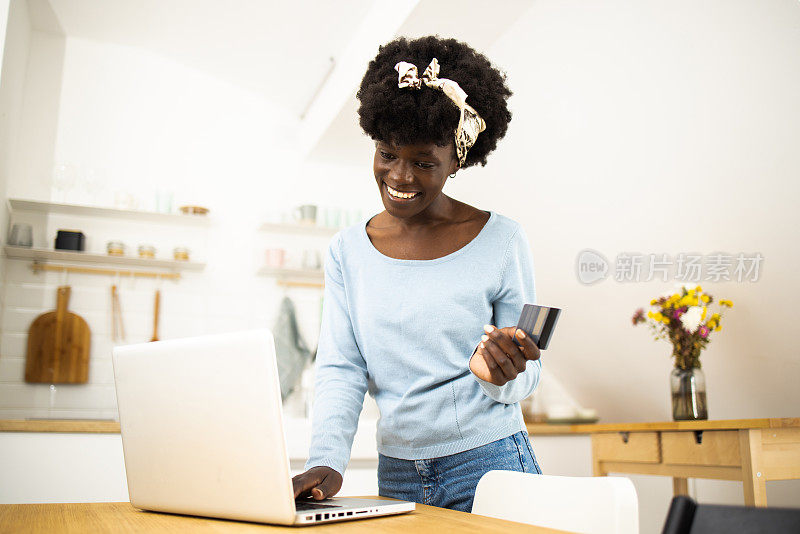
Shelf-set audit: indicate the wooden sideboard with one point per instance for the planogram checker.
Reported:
(752, 451)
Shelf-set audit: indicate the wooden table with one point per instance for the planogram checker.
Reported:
(123, 517)
(750, 450)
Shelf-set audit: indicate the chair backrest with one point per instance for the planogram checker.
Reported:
(577, 504)
(685, 516)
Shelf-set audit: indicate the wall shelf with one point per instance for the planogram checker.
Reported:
(307, 229)
(317, 275)
(43, 255)
(16, 204)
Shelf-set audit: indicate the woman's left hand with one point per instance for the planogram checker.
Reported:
(498, 359)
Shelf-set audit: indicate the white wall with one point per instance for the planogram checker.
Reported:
(14, 48)
(655, 127)
(32, 161)
(3, 26)
(14, 44)
(141, 123)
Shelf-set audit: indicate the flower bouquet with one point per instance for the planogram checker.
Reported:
(685, 319)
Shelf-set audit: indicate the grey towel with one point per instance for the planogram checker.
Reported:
(291, 350)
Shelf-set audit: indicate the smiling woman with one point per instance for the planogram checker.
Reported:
(421, 299)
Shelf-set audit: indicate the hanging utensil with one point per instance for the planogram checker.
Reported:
(117, 327)
(114, 333)
(155, 315)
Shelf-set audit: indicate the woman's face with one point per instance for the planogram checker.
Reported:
(415, 171)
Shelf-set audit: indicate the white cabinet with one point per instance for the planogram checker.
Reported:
(40, 467)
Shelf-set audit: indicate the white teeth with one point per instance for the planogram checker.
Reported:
(398, 194)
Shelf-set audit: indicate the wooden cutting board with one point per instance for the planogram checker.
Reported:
(58, 346)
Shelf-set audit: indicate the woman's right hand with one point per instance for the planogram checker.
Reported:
(318, 482)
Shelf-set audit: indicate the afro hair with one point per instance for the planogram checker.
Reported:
(403, 117)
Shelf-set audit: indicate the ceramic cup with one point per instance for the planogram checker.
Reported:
(275, 257)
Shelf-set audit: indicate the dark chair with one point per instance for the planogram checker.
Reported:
(685, 516)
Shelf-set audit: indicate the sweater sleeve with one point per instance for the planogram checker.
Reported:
(517, 287)
(341, 374)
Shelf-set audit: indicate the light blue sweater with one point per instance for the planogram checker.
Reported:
(404, 330)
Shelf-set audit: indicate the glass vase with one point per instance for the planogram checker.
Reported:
(688, 394)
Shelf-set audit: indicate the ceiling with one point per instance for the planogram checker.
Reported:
(245, 42)
(281, 50)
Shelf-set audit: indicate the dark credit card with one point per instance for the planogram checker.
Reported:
(538, 322)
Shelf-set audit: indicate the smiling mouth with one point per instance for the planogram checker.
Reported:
(399, 195)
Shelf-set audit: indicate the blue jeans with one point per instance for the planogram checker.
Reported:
(450, 481)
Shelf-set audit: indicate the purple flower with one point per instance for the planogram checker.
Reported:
(703, 331)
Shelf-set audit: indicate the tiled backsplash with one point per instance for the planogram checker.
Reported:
(189, 307)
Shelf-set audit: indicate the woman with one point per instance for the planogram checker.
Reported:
(421, 299)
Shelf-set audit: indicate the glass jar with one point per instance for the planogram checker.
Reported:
(180, 253)
(147, 251)
(688, 394)
(115, 248)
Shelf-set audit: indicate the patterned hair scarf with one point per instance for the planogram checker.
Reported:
(469, 125)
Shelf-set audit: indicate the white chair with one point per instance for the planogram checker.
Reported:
(576, 504)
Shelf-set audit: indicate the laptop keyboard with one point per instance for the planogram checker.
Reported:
(304, 506)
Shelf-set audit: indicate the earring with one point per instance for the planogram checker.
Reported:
(452, 176)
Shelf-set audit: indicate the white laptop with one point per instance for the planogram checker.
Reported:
(202, 433)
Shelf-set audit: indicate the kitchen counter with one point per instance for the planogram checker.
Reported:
(96, 426)
(112, 427)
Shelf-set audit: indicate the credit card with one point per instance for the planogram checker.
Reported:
(538, 322)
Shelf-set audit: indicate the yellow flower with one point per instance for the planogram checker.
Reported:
(688, 300)
(703, 317)
(698, 288)
(651, 315)
(665, 320)
(657, 316)
(711, 324)
(717, 329)
(715, 317)
(653, 302)
(725, 302)
(705, 299)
